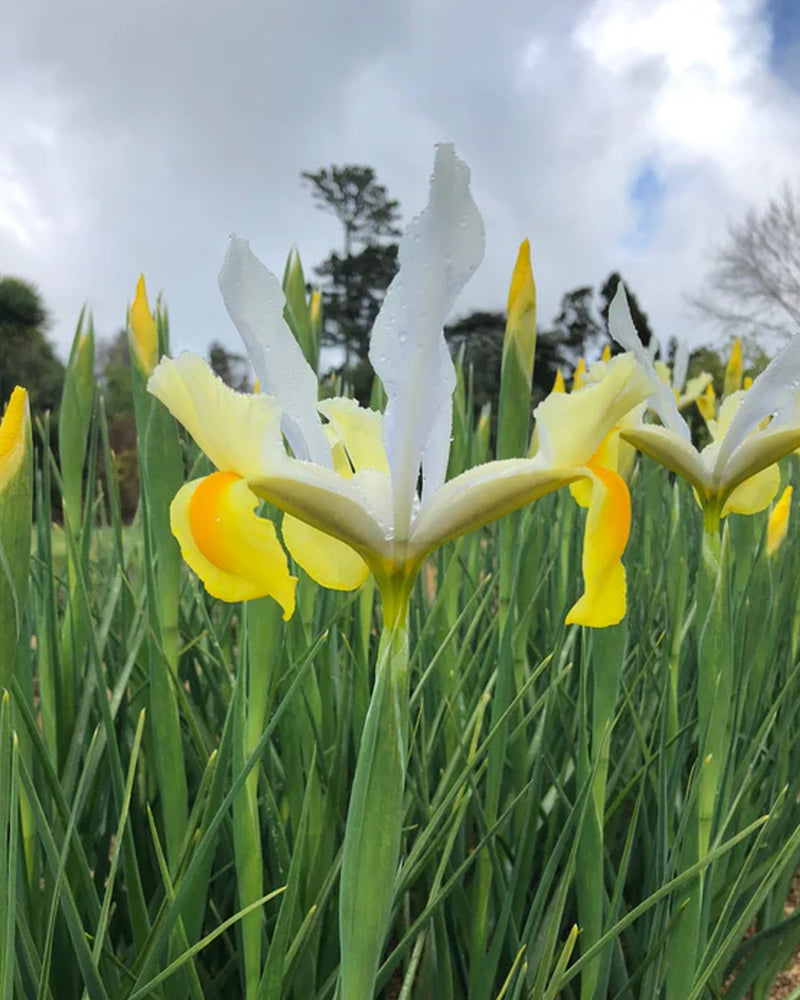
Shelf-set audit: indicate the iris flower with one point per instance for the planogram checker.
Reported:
(756, 427)
(347, 477)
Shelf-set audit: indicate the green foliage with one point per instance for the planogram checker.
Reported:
(583, 820)
(576, 329)
(355, 282)
(176, 774)
(113, 365)
(353, 288)
(362, 205)
(480, 336)
(234, 369)
(580, 329)
(26, 356)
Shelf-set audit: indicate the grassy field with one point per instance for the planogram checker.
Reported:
(579, 813)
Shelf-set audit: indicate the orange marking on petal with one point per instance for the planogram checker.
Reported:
(207, 519)
(616, 512)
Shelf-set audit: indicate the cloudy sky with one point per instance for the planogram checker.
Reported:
(616, 134)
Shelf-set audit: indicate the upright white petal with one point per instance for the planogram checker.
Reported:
(439, 252)
(773, 391)
(680, 365)
(662, 399)
(255, 300)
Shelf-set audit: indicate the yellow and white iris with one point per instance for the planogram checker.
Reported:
(348, 479)
(736, 472)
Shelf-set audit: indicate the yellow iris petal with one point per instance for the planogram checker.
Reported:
(778, 523)
(694, 389)
(707, 404)
(607, 456)
(329, 562)
(754, 494)
(572, 427)
(360, 431)
(236, 554)
(608, 524)
(663, 372)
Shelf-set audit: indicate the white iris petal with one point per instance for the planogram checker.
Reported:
(439, 252)
(255, 302)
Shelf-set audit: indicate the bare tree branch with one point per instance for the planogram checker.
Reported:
(754, 281)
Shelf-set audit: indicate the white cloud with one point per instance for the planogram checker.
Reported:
(139, 136)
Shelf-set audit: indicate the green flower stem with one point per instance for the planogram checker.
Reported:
(715, 677)
(371, 848)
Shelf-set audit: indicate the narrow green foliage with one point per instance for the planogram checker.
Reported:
(302, 313)
(199, 800)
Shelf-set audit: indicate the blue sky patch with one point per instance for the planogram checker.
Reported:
(647, 193)
(784, 18)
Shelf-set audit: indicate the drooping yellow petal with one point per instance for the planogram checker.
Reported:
(236, 554)
(558, 384)
(328, 562)
(734, 369)
(608, 524)
(754, 494)
(581, 492)
(13, 435)
(778, 523)
(607, 456)
(143, 329)
(578, 375)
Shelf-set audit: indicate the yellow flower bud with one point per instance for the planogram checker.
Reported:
(521, 322)
(13, 435)
(577, 378)
(144, 335)
(734, 369)
(778, 523)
